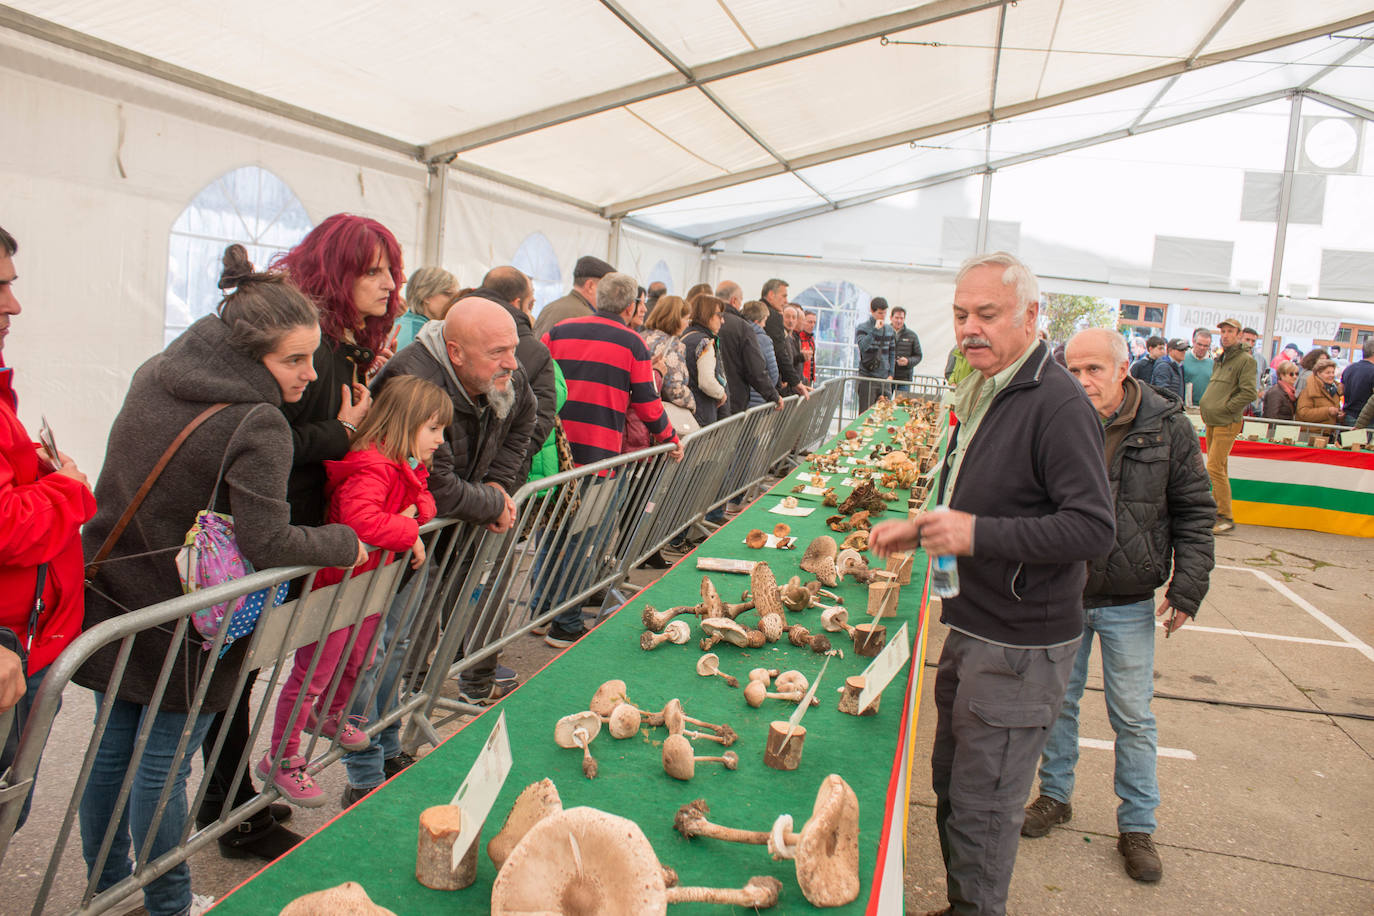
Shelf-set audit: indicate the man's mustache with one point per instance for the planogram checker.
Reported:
(974, 341)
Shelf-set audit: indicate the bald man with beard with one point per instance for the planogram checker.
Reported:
(471, 355)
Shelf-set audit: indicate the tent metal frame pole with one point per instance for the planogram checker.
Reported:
(1201, 46)
(688, 77)
(1349, 108)
(1290, 158)
(1007, 162)
(977, 119)
(980, 245)
(613, 242)
(436, 212)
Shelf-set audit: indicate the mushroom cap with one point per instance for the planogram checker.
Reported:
(347, 899)
(781, 530)
(755, 538)
(711, 604)
(764, 588)
(624, 721)
(770, 625)
(535, 802)
(822, 546)
(791, 682)
(856, 540)
(828, 855)
(673, 717)
(795, 596)
(755, 692)
(761, 674)
(726, 629)
(679, 632)
(581, 862)
(849, 561)
(708, 664)
(679, 760)
(565, 728)
(607, 697)
(826, 572)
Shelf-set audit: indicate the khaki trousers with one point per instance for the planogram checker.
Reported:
(1219, 442)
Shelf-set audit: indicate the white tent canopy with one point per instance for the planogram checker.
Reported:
(853, 147)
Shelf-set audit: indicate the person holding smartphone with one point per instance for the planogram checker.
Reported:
(44, 499)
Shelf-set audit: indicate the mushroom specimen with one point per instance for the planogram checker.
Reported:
(856, 540)
(763, 674)
(836, 619)
(677, 632)
(771, 626)
(676, 722)
(535, 802)
(851, 563)
(680, 762)
(802, 638)
(790, 681)
(623, 721)
(578, 730)
(585, 862)
(656, 620)
(781, 530)
(763, 588)
(819, 560)
(755, 692)
(755, 538)
(826, 851)
(714, 606)
(347, 899)
(709, 666)
(718, 629)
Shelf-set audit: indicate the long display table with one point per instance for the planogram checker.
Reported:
(1294, 486)
(374, 843)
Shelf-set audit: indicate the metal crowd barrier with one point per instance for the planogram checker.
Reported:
(576, 533)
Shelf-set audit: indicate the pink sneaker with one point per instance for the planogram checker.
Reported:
(351, 738)
(292, 781)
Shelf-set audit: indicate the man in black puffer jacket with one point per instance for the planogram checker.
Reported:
(1164, 518)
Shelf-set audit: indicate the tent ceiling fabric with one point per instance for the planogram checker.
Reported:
(690, 115)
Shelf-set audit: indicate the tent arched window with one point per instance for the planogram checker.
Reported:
(661, 274)
(839, 306)
(249, 205)
(536, 259)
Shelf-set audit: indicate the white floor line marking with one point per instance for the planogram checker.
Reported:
(1335, 643)
(1350, 638)
(1177, 753)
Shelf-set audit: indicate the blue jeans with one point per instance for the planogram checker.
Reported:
(169, 895)
(365, 767)
(572, 573)
(1127, 635)
(21, 715)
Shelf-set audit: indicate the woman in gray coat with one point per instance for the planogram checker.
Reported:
(254, 355)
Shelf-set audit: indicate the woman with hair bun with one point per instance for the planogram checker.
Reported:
(253, 356)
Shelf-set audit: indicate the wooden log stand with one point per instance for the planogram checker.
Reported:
(775, 754)
(439, 827)
(849, 697)
(869, 639)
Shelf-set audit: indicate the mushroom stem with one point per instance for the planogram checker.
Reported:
(724, 740)
(650, 641)
(588, 761)
(728, 678)
(656, 620)
(729, 758)
(735, 610)
(760, 893)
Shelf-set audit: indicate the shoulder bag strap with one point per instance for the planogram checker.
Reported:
(113, 537)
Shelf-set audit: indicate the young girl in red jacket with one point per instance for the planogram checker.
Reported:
(378, 489)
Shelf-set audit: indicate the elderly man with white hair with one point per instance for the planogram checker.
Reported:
(1164, 517)
(1026, 488)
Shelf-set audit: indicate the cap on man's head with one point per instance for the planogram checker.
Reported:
(878, 303)
(591, 268)
(1233, 322)
(1176, 344)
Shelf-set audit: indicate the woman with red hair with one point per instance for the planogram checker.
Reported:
(350, 267)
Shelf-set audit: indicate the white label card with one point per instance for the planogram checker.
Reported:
(815, 479)
(795, 719)
(479, 790)
(1354, 437)
(799, 511)
(884, 668)
(1258, 430)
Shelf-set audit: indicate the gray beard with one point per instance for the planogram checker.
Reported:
(502, 400)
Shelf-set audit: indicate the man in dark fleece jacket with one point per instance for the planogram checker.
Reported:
(1164, 517)
(1026, 485)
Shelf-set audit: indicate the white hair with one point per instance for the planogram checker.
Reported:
(1014, 274)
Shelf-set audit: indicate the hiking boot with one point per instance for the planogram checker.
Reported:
(291, 779)
(1044, 813)
(540, 629)
(352, 795)
(1223, 526)
(264, 839)
(351, 738)
(393, 765)
(1142, 859)
(505, 677)
(560, 638)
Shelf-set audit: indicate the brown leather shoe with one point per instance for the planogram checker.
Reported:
(1044, 813)
(1142, 860)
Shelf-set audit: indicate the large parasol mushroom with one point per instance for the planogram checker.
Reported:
(585, 862)
(723, 629)
(819, 560)
(347, 899)
(826, 852)
(535, 802)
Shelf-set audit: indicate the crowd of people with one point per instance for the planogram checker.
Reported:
(327, 410)
(331, 408)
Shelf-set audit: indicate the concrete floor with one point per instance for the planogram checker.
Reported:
(1270, 815)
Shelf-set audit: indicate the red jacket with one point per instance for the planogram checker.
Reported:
(367, 491)
(41, 514)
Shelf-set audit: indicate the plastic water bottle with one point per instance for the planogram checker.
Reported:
(944, 571)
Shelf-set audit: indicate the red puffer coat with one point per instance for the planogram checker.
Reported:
(367, 491)
(41, 514)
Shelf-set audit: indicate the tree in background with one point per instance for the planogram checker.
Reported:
(1065, 314)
